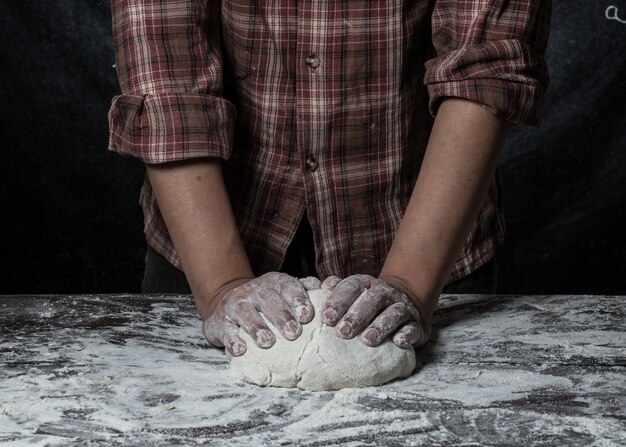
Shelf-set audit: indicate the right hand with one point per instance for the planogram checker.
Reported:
(281, 298)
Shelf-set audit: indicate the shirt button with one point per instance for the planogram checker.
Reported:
(312, 60)
(311, 164)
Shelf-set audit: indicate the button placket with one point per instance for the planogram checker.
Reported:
(312, 61)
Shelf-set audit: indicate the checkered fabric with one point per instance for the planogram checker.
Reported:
(321, 107)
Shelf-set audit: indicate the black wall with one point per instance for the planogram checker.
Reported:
(565, 183)
(69, 219)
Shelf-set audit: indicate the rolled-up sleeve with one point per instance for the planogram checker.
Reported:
(491, 52)
(169, 65)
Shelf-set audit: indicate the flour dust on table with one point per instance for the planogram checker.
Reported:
(319, 360)
(532, 371)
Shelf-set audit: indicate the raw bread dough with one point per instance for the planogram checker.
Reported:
(319, 360)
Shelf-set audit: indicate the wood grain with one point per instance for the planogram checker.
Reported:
(135, 370)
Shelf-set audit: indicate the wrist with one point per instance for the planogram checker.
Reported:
(207, 298)
(425, 305)
(424, 300)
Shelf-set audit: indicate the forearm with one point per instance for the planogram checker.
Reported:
(456, 172)
(197, 212)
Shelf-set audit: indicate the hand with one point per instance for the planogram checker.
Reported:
(281, 298)
(375, 309)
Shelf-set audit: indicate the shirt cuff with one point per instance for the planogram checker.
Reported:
(171, 126)
(512, 87)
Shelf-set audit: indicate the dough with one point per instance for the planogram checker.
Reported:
(319, 360)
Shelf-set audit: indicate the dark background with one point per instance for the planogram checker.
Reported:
(69, 218)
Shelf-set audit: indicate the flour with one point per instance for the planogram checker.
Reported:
(471, 386)
(319, 360)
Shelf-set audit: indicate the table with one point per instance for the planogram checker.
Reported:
(134, 370)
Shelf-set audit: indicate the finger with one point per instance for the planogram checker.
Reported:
(310, 283)
(388, 321)
(408, 335)
(245, 314)
(330, 283)
(343, 295)
(294, 293)
(232, 341)
(363, 311)
(211, 334)
(278, 312)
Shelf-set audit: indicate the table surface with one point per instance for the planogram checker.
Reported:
(135, 370)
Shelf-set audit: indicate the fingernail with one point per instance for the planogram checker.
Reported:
(303, 313)
(238, 349)
(291, 328)
(330, 315)
(265, 338)
(371, 335)
(345, 328)
(401, 341)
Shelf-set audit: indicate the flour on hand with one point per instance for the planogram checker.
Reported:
(319, 360)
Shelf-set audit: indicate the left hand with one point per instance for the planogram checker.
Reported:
(372, 307)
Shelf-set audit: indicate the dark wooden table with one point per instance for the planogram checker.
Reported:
(135, 370)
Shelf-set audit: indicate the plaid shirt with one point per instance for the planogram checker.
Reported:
(319, 107)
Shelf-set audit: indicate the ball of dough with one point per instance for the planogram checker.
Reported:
(319, 360)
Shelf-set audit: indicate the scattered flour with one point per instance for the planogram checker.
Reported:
(118, 390)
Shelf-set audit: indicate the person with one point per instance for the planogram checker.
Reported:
(355, 143)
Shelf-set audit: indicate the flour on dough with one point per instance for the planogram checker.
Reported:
(319, 360)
